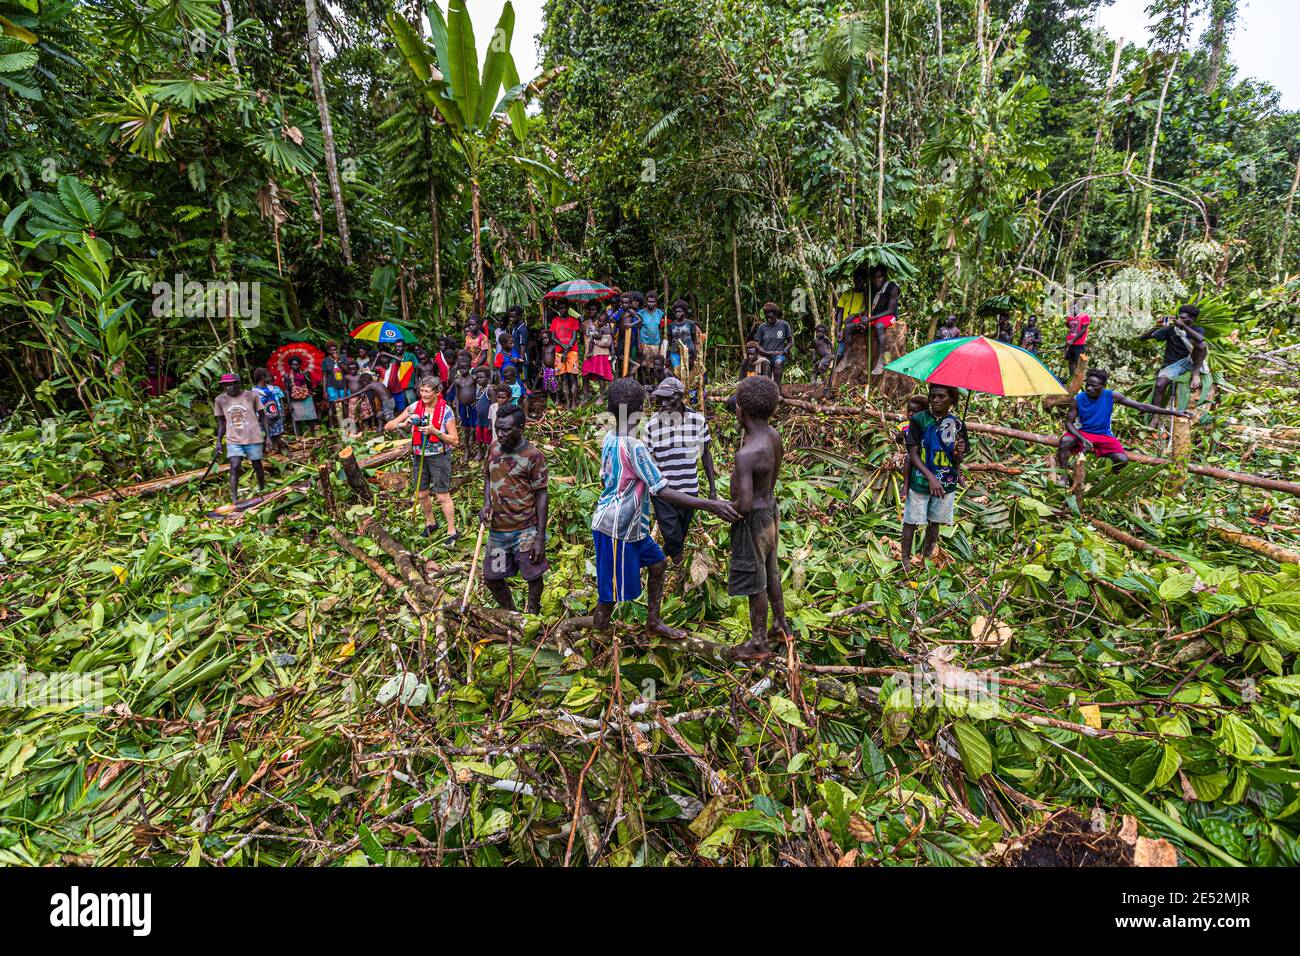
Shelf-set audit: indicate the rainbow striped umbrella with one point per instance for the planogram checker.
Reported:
(583, 290)
(979, 365)
(382, 332)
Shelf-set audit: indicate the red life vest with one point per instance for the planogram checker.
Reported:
(435, 419)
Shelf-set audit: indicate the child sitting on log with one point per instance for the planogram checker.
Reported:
(620, 526)
(514, 509)
(754, 363)
(754, 573)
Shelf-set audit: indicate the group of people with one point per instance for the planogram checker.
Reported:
(474, 397)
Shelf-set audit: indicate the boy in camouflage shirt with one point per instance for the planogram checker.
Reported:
(514, 508)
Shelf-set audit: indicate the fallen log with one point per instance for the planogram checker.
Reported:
(1251, 543)
(1053, 441)
(1223, 474)
(355, 476)
(402, 558)
(167, 482)
(379, 570)
(144, 487)
(1128, 540)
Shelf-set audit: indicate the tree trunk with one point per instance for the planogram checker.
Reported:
(327, 130)
(735, 284)
(1076, 228)
(229, 15)
(355, 476)
(326, 489)
(437, 228)
(1267, 548)
(1144, 248)
(1286, 220)
(1128, 540)
(480, 294)
(1222, 14)
(880, 159)
(402, 559)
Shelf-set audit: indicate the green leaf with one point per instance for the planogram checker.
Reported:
(976, 754)
(1176, 586)
(1170, 761)
(372, 847)
(494, 65)
(787, 711)
(1290, 684)
(78, 199)
(1037, 571)
(462, 66)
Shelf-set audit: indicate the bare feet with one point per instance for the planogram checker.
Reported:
(660, 629)
(879, 369)
(754, 649)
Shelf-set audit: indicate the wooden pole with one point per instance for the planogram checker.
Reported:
(1128, 540)
(473, 565)
(1267, 548)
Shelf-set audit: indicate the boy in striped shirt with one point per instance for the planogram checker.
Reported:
(620, 527)
(678, 438)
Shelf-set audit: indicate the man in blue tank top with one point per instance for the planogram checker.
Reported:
(1087, 425)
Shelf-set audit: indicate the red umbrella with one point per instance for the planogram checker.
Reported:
(312, 357)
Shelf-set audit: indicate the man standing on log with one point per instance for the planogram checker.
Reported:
(620, 527)
(241, 424)
(1087, 423)
(679, 441)
(433, 436)
(514, 509)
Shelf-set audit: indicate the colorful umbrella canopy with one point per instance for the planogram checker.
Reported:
(980, 365)
(278, 363)
(584, 290)
(382, 332)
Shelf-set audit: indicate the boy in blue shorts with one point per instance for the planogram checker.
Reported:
(620, 526)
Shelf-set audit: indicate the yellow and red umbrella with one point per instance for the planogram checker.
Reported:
(979, 364)
(382, 332)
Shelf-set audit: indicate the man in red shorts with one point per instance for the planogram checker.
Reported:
(1087, 425)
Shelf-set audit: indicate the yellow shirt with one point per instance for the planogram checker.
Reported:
(852, 303)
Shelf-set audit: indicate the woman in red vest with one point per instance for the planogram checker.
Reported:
(433, 436)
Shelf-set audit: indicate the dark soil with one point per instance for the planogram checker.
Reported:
(1068, 841)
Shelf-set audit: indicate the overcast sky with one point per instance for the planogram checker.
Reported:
(1259, 45)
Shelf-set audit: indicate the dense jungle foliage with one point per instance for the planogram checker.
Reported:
(265, 697)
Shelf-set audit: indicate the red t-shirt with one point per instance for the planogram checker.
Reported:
(1076, 330)
(564, 328)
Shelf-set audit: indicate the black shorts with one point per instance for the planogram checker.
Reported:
(1072, 352)
(435, 476)
(674, 523)
(753, 541)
